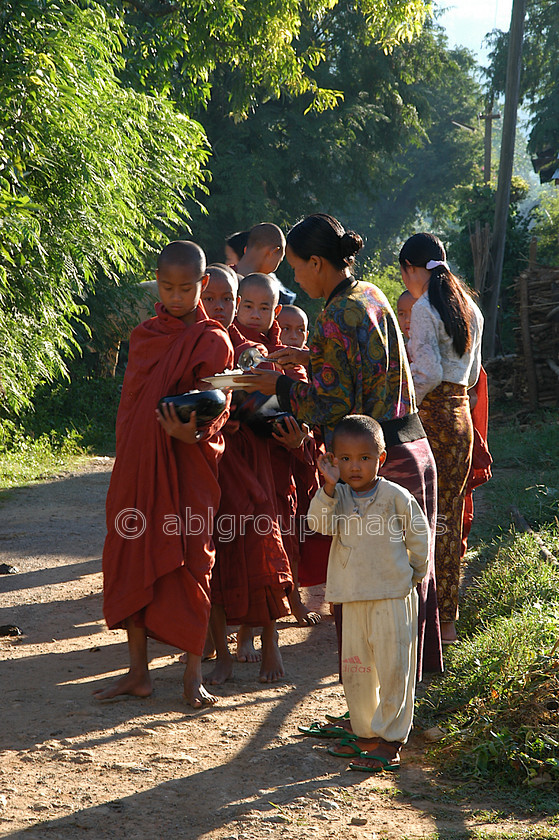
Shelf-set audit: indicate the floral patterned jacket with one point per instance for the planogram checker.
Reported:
(358, 363)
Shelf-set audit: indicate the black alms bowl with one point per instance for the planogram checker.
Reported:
(207, 404)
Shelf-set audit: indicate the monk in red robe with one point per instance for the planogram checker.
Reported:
(309, 557)
(252, 578)
(164, 491)
(256, 320)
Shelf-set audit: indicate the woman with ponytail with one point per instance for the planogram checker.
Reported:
(358, 365)
(445, 351)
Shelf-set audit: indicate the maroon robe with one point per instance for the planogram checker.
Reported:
(252, 577)
(157, 558)
(481, 457)
(283, 460)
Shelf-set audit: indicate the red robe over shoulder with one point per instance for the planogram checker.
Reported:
(481, 457)
(284, 460)
(251, 578)
(163, 493)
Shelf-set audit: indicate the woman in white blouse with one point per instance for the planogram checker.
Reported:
(445, 353)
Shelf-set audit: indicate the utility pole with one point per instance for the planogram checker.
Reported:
(502, 199)
(488, 117)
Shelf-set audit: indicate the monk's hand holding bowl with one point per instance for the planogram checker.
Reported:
(263, 381)
(169, 419)
(290, 357)
(289, 433)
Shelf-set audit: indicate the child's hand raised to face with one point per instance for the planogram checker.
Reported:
(328, 466)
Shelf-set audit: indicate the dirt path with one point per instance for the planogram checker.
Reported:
(150, 769)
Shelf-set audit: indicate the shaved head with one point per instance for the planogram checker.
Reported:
(290, 309)
(359, 425)
(263, 282)
(184, 254)
(266, 235)
(221, 271)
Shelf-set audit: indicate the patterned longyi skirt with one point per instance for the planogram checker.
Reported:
(446, 418)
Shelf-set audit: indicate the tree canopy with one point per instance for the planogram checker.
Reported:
(91, 176)
(388, 155)
(100, 153)
(540, 72)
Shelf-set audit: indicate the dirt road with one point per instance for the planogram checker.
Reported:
(155, 768)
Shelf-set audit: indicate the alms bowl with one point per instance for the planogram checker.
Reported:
(207, 404)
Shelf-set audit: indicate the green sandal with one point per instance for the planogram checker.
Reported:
(317, 729)
(346, 742)
(336, 718)
(386, 763)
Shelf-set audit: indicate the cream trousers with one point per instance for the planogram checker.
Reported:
(379, 660)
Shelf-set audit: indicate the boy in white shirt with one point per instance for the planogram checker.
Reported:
(378, 555)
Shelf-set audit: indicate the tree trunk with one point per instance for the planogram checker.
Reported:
(493, 288)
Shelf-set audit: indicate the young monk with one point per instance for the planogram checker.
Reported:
(251, 579)
(256, 319)
(294, 326)
(264, 251)
(219, 299)
(156, 568)
(403, 313)
(311, 557)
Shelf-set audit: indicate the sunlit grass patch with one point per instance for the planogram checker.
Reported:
(499, 698)
(70, 420)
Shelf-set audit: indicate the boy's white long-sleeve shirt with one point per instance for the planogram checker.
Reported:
(377, 554)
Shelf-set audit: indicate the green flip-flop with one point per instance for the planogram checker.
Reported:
(386, 763)
(346, 742)
(317, 729)
(336, 718)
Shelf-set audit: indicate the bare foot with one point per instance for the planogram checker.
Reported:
(222, 672)
(271, 669)
(352, 750)
(246, 652)
(194, 692)
(197, 696)
(209, 651)
(448, 632)
(305, 617)
(136, 685)
(384, 755)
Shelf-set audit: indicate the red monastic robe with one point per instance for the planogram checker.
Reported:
(252, 577)
(284, 460)
(481, 457)
(163, 493)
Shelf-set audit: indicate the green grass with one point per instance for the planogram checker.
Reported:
(69, 421)
(499, 698)
(526, 474)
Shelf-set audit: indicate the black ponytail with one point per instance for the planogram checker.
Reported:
(446, 292)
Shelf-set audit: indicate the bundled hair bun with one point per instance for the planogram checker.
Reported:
(322, 235)
(350, 244)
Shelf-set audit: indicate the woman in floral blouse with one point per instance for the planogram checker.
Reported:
(358, 365)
